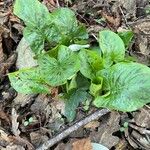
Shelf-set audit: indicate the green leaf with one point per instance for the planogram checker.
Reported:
(73, 83)
(77, 47)
(56, 72)
(38, 21)
(66, 28)
(96, 86)
(79, 81)
(35, 39)
(32, 12)
(91, 63)
(127, 86)
(112, 46)
(28, 81)
(72, 102)
(59, 27)
(126, 36)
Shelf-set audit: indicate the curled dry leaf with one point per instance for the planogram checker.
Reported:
(139, 138)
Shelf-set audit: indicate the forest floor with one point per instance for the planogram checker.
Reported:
(27, 121)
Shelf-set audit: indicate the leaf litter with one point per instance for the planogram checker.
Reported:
(137, 124)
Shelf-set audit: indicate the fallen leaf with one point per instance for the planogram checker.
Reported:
(13, 147)
(38, 138)
(83, 144)
(115, 21)
(15, 124)
(142, 118)
(22, 141)
(4, 17)
(4, 116)
(92, 125)
(107, 127)
(22, 99)
(130, 7)
(4, 136)
(62, 146)
(139, 138)
(5, 66)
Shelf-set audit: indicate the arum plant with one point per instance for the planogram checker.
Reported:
(71, 64)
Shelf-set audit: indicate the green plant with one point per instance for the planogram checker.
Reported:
(105, 74)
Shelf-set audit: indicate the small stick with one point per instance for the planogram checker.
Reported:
(46, 145)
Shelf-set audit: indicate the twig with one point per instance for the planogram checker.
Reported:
(72, 128)
(124, 17)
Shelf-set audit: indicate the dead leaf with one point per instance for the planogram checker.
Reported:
(115, 21)
(51, 5)
(5, 66)
(23, 99)
(13, 147)
(92, 125)
(83, 144)
(142, 118)
(38, 138)
(22, 141)
(130, 7)
(4, 136)
(107, 127)
(15, 124)
(122, 145)
(62, 146)
(4, 17)
(4, 116)
(136, 138)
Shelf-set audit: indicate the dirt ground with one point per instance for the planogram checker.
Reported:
(27, 121)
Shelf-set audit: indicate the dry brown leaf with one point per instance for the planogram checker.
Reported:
(51, 5)
(106, 129)
(13, 147)
(37, 138)
(22, 141)
(83, 144)
(15, 124)
(51, 2)
(4, 116)
(142, 118)
(92, 125)
(6, 65)
(115, 21)
(4, 136)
